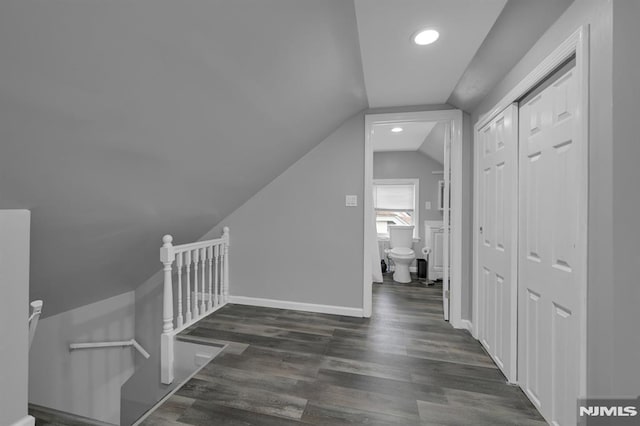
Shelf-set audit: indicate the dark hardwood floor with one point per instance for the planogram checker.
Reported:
(404, 366)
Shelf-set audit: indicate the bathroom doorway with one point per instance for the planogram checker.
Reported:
(412, 178)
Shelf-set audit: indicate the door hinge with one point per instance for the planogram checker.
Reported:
(446, 294)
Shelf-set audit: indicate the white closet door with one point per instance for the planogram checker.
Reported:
(497, 242)
(552, 203)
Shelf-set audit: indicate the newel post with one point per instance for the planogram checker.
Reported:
(225, 237)
(167, 256)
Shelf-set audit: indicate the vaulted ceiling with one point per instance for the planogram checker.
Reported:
(398, 72)
(124, 120)
(121, 121)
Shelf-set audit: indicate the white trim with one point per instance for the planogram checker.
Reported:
(454, 116)
(582, 69)
(475, 275)
(557, 57)
(467, 325)
(25, 421)
(578, 44)
(296, 306)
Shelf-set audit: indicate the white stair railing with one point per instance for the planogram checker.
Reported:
(36, 310)
(203, 267)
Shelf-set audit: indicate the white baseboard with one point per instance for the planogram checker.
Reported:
(25, 421)
(467, 325)
(297, 306)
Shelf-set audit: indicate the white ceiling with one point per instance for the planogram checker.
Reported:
(399, 73)
(413, 135)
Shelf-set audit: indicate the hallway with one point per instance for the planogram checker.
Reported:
(405, 366)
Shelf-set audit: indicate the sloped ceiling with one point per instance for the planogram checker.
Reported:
(520, 24)
(397, 72)
(433, 145)
(121, 121)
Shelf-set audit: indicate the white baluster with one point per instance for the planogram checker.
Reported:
(167, 256)
(222, 274)
(187, 263)
(203, 258)
(179, 266)
(195, 283)
(209, 258)
(225, 236)
(216, 254)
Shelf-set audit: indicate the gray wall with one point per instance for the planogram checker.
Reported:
(121, 121)
(295, 240)
(614, 206)
(83, 382)
(14, 311)
(626, 199)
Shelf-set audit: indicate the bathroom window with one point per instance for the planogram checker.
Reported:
(396, 203)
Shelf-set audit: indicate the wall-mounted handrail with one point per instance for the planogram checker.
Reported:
(36, 307)
(124, 343)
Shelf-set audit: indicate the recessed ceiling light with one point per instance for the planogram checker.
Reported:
(424, 37)
(396, 129)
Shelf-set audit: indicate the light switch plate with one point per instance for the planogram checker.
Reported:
(427, 205)
(351, 201)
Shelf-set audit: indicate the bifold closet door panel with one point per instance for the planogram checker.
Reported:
(549, 247)
(497, 243)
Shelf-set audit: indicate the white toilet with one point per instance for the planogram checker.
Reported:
(400, 251)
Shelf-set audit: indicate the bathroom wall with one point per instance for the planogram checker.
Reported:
(413, 165)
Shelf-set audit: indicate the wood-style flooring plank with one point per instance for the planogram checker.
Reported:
(404, 366)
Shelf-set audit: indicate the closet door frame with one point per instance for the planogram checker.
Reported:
(577, 44)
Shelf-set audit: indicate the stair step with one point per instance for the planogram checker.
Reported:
(201, 340)
(234, 348)
(50, 416)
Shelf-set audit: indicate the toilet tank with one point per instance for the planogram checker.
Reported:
(401, 236)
